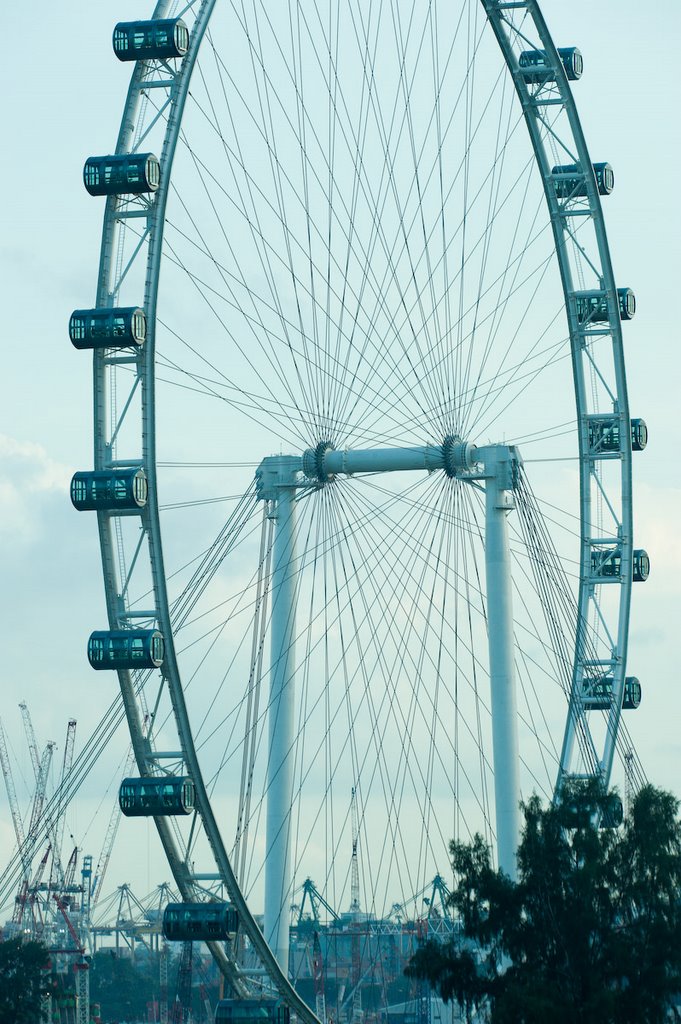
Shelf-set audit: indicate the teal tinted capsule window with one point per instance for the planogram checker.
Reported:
(153, 171)
(598, 693)
(124, 174)
(120, 42)
(163, 796)
(251, 1011)
(121, 649)
(158, 39)
(77, 327)
(639, 435)
(632, 693)
(592, 307)
(91, 175)
(139, 326)
(181, 37)
(140, 489)
(606, 564)
(113, 490)
(199, 921)
(604, 434)
(641, 566)
(120, 327)
(536, 67)
(79, 490)
(570, 180)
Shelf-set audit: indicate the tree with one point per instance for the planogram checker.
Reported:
(23, 981)
(121, 986)
(590, 932)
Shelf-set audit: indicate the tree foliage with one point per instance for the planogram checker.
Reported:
(590, 932)
(23, 981)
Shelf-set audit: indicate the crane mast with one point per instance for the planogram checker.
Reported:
(56, 873)
(12, 797)
(356, 966)
(30, 736)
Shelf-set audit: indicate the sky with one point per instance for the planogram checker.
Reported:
(64, 105)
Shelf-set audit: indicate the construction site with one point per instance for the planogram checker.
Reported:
(347, 965)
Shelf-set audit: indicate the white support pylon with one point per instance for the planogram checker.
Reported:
(281, 717)
(499, 464)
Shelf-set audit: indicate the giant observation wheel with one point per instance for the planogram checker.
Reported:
(362, 448)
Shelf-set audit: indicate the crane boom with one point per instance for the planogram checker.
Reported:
(56, 873)
(40, 790)
(109, 839)
(30, 736)
(11, 791)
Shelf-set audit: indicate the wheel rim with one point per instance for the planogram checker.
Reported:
(580, 245)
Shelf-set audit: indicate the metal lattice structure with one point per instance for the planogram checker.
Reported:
(333, 381)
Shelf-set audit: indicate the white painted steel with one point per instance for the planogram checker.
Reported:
(116, 576)
(278, 894)
(498, 502)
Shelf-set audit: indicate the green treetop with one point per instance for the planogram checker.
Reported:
(590, 932)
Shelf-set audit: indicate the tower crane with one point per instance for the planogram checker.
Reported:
(30, 736)
(12, 798)
(355, 924)
(81, 966)
(109, 839)
(56, 872)
(318, 978)
(312, 895)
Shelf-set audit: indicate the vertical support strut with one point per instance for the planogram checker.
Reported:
(498, 462)
(281, 714)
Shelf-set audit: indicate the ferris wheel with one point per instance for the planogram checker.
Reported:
(362, 447)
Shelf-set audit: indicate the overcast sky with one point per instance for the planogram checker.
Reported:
(64, 92)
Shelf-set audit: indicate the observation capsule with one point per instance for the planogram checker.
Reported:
(597, 694)
(535, 65)
(126, 648)
(592, 307)
(120, 327)
(109, 490)
(127, 174)
(606, 564)
(251, 1011)
(570, 180)
(160, 795)
(604, 434)
(159, 39)
(203, 922)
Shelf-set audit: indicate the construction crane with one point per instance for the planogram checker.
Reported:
(182, 1008)
(35, 761)
(29, 893)
(163, 994)
(40, 790)
(356, 966)
(317, 972)
(312, 895)
(33, 829)
(110, 838)
(70, 873)
(81, 966)
(30, 736)
(423, 993)
(56, 872)
(12, 798)
(628, 780)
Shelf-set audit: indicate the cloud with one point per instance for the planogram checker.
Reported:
(28, 476)
(655, 529)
